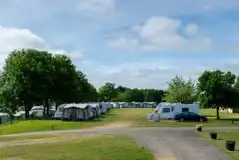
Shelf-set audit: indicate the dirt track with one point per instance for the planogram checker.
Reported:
(164, 143)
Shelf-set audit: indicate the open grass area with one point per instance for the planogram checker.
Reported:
(28, 137)
(106, 147)
(132, 116)
(224, 136)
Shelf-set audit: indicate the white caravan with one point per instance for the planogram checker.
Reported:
(168, 111)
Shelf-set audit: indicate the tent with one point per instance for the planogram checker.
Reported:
(96, 108)
(73, 112)
(77, 112)
(59, 111)
(103, 107)
(116, 105)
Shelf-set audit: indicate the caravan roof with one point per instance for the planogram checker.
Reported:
(80, 105)
(94, 105)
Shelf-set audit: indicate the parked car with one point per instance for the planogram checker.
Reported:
(190, 116)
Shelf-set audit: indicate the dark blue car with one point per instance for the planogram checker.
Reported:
(189, 116)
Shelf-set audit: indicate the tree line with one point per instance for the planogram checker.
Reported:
(32, 77)
(111, 92)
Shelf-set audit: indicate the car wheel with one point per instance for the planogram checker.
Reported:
(181, 119)
(201, 120)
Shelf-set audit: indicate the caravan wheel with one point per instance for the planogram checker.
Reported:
(181, 119)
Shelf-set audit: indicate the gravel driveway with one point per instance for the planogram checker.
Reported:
(176, 144)
(164, 143)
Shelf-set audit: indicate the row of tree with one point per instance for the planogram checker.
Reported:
(31, 77)
(111, 92)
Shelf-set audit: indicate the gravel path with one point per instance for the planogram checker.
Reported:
(166, 143)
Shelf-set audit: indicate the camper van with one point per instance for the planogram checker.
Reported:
(168, 111)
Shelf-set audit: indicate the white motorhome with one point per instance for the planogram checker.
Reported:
(168, 111)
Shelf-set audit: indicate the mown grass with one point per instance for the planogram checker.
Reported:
(224, 136)
(137, 117)
(27, 137)
(104, 147)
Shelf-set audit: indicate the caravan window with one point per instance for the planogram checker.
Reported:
(185, 109)
(166, 110)
(172, 109)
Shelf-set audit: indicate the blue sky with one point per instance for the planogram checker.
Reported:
(141, 43)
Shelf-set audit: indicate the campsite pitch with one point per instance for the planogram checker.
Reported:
(100, 147)
(125, 117)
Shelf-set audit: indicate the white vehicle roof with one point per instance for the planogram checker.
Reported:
(79, 105)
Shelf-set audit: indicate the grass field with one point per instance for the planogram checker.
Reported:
(92, 147)
(28, 137)
(131, 116)
(224, 136)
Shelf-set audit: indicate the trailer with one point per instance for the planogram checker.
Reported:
(169, 111)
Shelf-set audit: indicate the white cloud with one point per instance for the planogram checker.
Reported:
(14, 38)
(96, 7)
(163, 34)
(17, 38)
(156, 73)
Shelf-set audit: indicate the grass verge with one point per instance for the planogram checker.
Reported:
(28, 137)
(224, 136)
(104, 147)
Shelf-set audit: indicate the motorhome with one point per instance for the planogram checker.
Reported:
(168, 111)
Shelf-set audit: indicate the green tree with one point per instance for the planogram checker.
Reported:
(180, 90)
(38, 77)
(214, 88)
(8, 99)
(27, 70)
(153, 95)
(65, 80)
(107, 92)
(85, 91)
(237, 83)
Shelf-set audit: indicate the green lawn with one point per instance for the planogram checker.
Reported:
(28, 137)
(132, 116)
(224, 136)
(106, 147)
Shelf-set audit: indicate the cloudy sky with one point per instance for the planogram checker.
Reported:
(135, 43)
